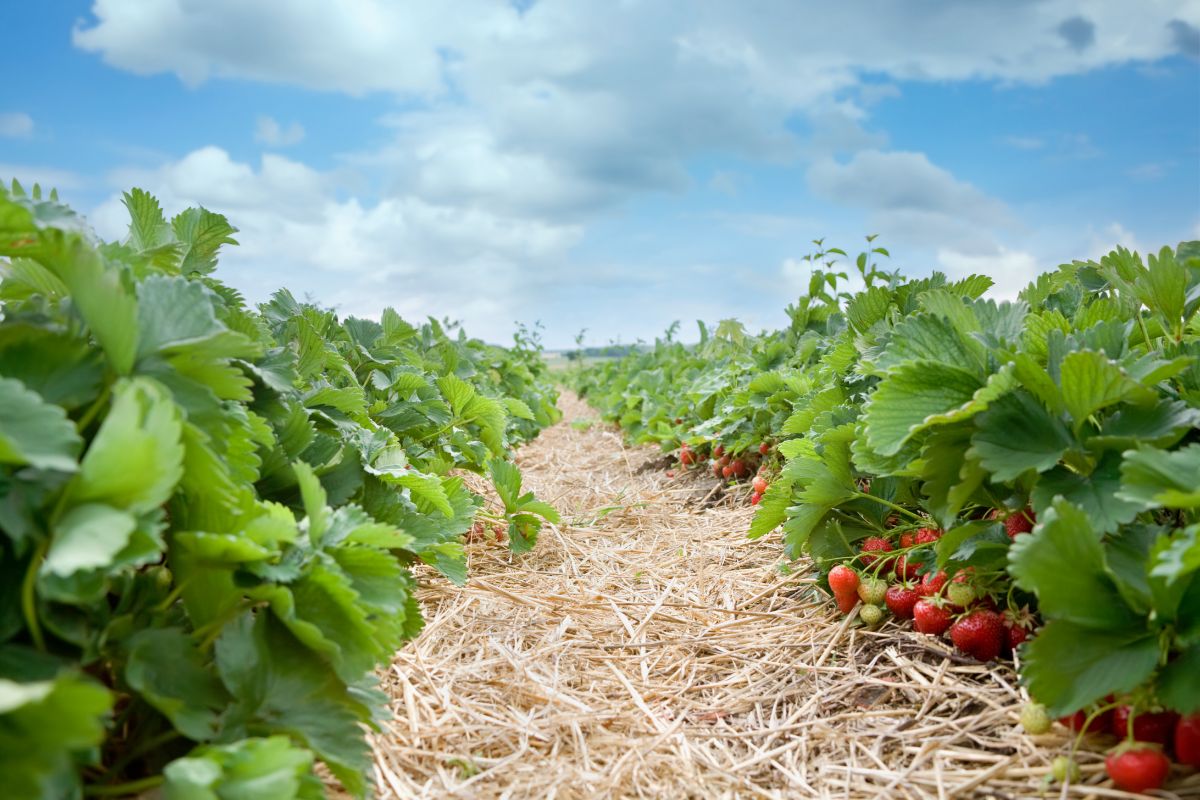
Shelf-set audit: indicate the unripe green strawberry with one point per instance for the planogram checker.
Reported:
(1034, 719)
(872, 590)
(960, 594)
(871, 615)
(1063, 768)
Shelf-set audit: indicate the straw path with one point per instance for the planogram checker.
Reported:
(647, 649)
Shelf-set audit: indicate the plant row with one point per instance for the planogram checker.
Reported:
(1020, 474)
(209, 512)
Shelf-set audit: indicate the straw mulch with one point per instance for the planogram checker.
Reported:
(647, 649)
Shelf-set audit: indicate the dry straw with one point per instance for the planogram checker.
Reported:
(647, 649)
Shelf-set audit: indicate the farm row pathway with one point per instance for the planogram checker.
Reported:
(647, 649)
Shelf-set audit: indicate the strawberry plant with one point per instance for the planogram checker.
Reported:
(1048, 447)
(209, 512)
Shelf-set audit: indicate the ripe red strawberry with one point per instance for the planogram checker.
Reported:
(740, 469)
(1019, 522)
(1137, 769)
(686, 456)
(1152, 727)
(906, 570)
(755, 499)
(718, 451)
(1101, 724)
(979, 634)
(724, 459)
(843, 581)
(764, 448)
(908, 539)
(727, 471)
(931, 584)
(900, 600)
(1016, 636)
(874, 544)
(931, 618)
(760, 484)
(1020, 624)
(1187, 741)
(928, 535)
(717, 469)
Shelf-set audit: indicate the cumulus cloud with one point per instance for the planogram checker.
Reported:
(911, 199)
(268, 131)
(495, 90)
(1078, 32)
(518, 125)
(16, 125)
(1186, 37)
(405, 251)
(1010, 270)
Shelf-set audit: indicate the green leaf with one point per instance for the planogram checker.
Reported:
(951, 472)
(518, 408)
(1178, 688)
(281, 687)
(64, 370)
(1063, 564)
(34, 432)
(1016, 434)
(175, 314)
(315, 502)
(868, 307)
(921, 394)
(1091, 381)
(88, 537)
(43, 726)
(1156, 478)
(169, 672)
(250, 769)
(931, 339)
(201, 234)
(1180, 557)
(107, 306)
(136, 457)
(1161, 425)
(1098, 494)
(507, 480)
(1067, 666)
(1163, 287)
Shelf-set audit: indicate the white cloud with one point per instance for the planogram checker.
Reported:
(1104, 241)
(16, 125)
(534, 108)
(911, 200)
(268, 131)
(516, 126)
(416, 255)
(1010, 270)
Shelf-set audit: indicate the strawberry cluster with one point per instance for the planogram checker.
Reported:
(729, 466)
(883, 574)
(1146, 737)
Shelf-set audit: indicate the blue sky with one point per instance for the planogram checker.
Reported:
(614, 166)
